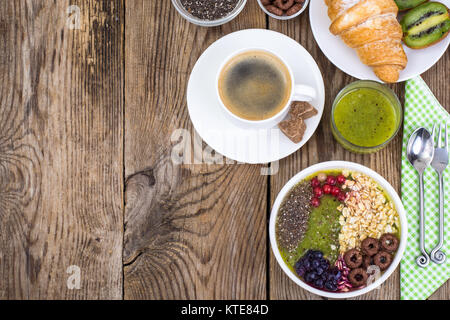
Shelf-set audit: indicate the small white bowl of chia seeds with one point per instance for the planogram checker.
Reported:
(207, 13)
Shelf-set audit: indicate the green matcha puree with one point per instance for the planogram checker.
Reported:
(322, 233)
(365, 117)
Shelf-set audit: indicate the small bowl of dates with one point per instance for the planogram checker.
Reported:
(283, 9)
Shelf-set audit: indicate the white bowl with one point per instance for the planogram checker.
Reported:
(331, 165)
(209, 23)
(284, 17)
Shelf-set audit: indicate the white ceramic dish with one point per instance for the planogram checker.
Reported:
(352, 167)
(347, 60)
(212, 124)
(283, 17)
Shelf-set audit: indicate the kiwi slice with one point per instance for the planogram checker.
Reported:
(408, 4)
(425, 25)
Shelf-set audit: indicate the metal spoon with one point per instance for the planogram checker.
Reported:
(420, 152)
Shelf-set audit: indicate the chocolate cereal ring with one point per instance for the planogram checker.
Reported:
(353, 258)
(284, 4)
(389, 242)
(370, 246)
(266, 2)
(383, 260)
(358, 277)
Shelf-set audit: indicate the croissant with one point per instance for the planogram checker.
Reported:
(372, 29)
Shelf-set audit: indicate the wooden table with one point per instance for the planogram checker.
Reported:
(86, 177)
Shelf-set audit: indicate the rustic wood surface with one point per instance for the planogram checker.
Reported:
(191, 231)
(89, 118)
(61, 140)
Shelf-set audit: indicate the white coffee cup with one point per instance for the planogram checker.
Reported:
(299, 92)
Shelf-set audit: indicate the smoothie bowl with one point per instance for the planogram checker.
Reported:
(338, 229)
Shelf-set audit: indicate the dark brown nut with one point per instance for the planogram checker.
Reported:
(275, 10)
(294, 9)
(370, 246)
(383, 260)
(389, 242)
(358, 277)
(266, 2)
(353, 258)
(284, 4)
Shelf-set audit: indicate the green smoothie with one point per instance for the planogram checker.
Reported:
(365, 117)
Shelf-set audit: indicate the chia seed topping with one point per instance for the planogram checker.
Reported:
(293, 216)
(209, 9)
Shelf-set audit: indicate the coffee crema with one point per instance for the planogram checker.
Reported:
(255, 85)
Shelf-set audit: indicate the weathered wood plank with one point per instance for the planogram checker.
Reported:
(191, 231)
(61, 168)
(323, 147)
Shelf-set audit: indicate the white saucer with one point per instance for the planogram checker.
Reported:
(248, 145)
(346, 59)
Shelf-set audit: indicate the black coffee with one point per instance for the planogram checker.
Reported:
(255, 85)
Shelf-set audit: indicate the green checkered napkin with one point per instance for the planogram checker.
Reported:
(422, 109)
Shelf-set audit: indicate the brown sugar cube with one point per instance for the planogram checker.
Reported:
(302, 109)
(293, 128)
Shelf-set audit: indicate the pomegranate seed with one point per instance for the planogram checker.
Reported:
(340, 179)
(326, 188)
(342, 196)
(315, 202)
(318, 192)
(335, 191)
(315, 183)
(331, 180)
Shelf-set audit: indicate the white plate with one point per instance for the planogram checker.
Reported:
(210, 122)
(332, 165)
(347, 60)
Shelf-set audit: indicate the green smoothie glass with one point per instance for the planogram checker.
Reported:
(366, 116)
